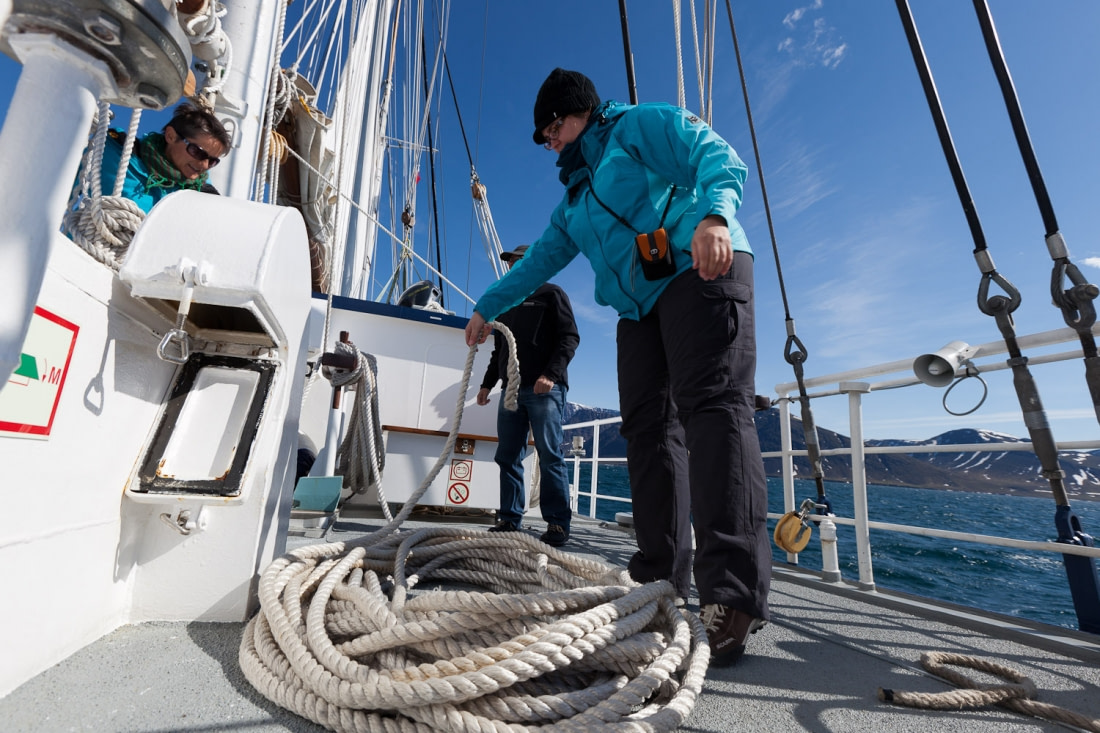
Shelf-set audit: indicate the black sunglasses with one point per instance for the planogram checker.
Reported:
(197, 152)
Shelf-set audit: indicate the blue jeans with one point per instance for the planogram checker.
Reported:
(544, 414)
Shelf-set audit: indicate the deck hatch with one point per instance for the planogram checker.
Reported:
(208, 427)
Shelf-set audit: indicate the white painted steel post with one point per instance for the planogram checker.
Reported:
(251, 28)
(859, 480)
(575, 489)
(788, 462)
(830, 566)
(595, 469)
(41, 145)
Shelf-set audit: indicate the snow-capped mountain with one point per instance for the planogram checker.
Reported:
(1010, 472)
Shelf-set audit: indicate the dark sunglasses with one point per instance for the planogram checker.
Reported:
(199, 154)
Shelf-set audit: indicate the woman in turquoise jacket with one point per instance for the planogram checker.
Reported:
(176, 158)
(651, 194)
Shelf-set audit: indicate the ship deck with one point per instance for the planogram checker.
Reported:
(817, 666)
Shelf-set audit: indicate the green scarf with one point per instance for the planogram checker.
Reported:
(162, 174)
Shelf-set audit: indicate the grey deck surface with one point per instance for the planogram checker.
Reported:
(816, 667)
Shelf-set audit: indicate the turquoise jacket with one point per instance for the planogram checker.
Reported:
(652, 151)
(136, 186)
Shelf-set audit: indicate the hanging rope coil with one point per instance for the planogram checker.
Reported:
(1017, 695)
(361, 458)
(103, 225)
(554, 642)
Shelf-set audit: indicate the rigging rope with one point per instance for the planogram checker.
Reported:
(1081, 572)
(681, 97)
(382, 227)
(556, 642)
(489, 236)
(794, 351)
(1075, 302)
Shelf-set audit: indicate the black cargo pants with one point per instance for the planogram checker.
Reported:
(686, 393)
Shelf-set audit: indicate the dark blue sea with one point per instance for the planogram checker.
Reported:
(1005, 580)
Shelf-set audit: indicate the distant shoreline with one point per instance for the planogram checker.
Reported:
(1027, 492)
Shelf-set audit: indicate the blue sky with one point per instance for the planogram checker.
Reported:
(874, 248)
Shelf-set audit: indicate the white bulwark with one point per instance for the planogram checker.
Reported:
(28, 402)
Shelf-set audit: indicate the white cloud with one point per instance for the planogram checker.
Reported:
(820, 46)
(805, 181)
(1091, 262)
(795, 15)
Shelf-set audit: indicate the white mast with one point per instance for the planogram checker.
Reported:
(361, 233)
(360, 143)
(253, 28)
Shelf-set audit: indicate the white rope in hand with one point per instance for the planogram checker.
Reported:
(545, 640)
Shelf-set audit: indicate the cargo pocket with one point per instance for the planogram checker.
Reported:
(724, 301)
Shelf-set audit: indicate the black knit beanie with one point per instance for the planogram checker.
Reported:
(563, 93)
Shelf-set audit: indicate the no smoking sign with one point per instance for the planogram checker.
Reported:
(458, 488)
(458, 493)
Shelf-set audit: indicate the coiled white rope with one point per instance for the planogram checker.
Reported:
(550, 641)
(102, 225)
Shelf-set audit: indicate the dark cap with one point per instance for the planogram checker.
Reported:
(563, 93)
(515, 254)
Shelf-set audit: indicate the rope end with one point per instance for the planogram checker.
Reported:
(885, 695)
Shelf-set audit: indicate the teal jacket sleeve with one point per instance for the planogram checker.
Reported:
(546, 257)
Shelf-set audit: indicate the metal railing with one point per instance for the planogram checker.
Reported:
(855, 384)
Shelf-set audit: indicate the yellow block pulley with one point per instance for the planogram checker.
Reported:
(792, 533)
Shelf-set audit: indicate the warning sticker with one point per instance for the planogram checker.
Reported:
(28, 402)
(458, 493)
(461, 469)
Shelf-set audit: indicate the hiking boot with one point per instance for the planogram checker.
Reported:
(505, 526)
(727, 631)
(555, 535)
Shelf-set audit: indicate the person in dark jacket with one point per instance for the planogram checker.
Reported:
(546, 339)
(651, 196)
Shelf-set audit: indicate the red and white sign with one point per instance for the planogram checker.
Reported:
(458, 493)
(461, 469)
(28, 402)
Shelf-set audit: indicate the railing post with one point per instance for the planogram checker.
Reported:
(830, 566)
(595, 469)
(787, 461)
(575, 489)
(854, 390)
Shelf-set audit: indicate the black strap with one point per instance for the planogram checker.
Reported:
(624, 222)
